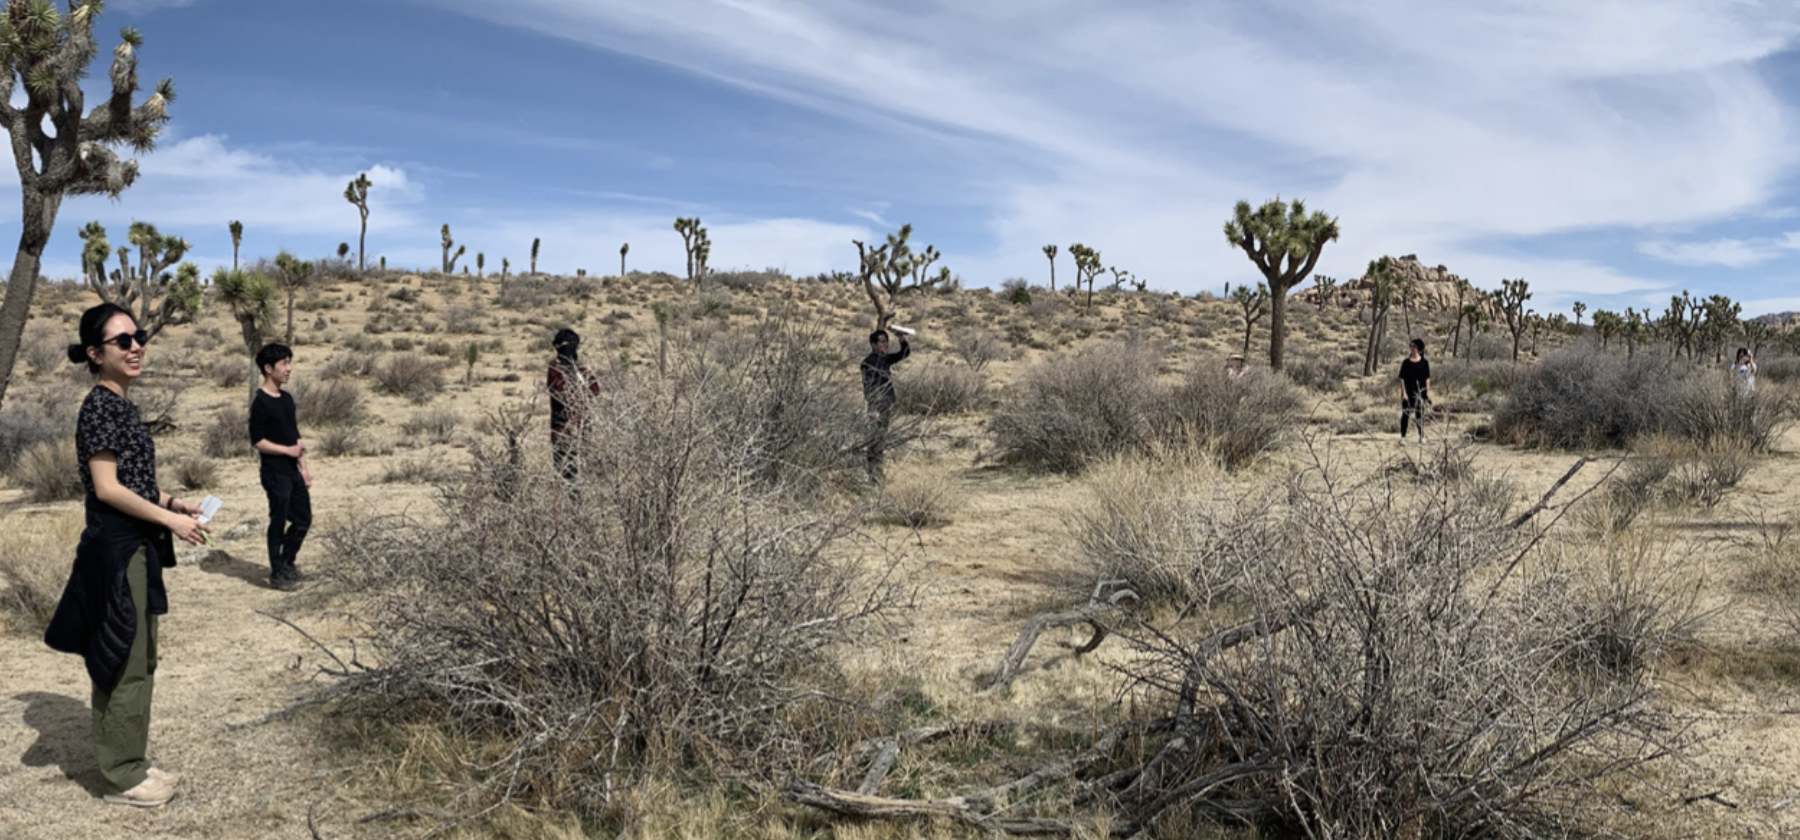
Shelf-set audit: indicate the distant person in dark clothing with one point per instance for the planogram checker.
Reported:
(109, 609)
(878, 392)
(275, 433)
(1415, 387)
(571, 389)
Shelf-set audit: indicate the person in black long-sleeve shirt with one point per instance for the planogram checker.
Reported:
(1415, 386)
(878, 392)
(275, 433)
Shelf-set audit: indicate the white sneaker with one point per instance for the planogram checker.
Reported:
(150, 793)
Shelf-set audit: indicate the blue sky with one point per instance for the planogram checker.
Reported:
(1611, 151)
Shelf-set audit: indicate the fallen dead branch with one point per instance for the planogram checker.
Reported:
(1014, 658)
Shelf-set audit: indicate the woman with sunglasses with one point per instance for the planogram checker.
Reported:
(109, 608)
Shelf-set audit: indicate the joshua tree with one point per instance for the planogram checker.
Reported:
(291, 273)
(1511, 299)
(480, 264)
(384, 263)
(471, 355)
(1462, 292)
(58, 149)
(1636, 325)
(155, 298)
(1087, 267)
(1606, 325)
(663, 313)
(357, 193)
(237, 238)
(893, 269)
(1477, 319)
(623, 250)
(698, 247)
(251, 301)
(343, 250)
(1253, 304)
(449, 266)
(1284, 243)
(535, 242)
(1383, 283)
(505, 268)
(1325, 290)
(1721, 323)
(1050, 252)
(1580, 308)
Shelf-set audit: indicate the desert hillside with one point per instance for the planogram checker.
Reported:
(1555, 614)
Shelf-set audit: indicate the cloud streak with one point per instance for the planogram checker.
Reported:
(1426, 127)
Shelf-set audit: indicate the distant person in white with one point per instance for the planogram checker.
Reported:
(1743, 372)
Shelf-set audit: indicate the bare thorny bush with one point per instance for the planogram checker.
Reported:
(669, 611)
(1388, 659)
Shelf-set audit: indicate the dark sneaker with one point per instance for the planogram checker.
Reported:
(284, 583)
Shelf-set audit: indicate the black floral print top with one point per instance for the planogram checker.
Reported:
(109, 421)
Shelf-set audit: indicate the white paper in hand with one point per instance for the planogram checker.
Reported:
(903, 330)
(209, 506)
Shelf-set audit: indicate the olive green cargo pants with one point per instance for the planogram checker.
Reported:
(122, 715)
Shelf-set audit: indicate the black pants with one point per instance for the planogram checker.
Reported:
(1413, 407)
(881, 416)
(290, 515)
(562, 448)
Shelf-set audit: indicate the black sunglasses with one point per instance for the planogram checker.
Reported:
(123, 340)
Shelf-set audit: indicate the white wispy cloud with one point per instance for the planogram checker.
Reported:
(1426, 127)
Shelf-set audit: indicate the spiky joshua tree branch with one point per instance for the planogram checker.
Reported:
(59, 147)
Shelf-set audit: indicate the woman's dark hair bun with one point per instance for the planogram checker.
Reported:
(77, 354)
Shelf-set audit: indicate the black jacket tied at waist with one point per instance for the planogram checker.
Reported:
(95, 618)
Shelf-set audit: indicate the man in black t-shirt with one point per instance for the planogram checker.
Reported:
(878, 393)
(276, 435)
(1415, 388)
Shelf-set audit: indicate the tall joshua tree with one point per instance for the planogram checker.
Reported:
(449, 264)
(60, 150)
(1511, 298)
(1579, 308)
(291, 273)
(237, 238)
(1050, 252)
(156, 298)
(357, 193)
(1087, 267)
(698, 247)
(624, 249)
(535, 243)
(250, 298)
(1252, 303)
(1284, 243)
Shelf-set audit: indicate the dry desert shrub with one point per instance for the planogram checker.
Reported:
(412, 375)
(35, 555)
(1107, 401)
(1063, 414)
(1236, 420)
(1481, 378)
(936, 390)
(668, 612)
(1151, 521)
(42, 417)
(195, 472)
(918, 494)
(978, 347)
(1318, 371)
(431, 426)
(324, 403)
(1581, 398)
(1401, 638)
(228, 435)
(49, 471)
